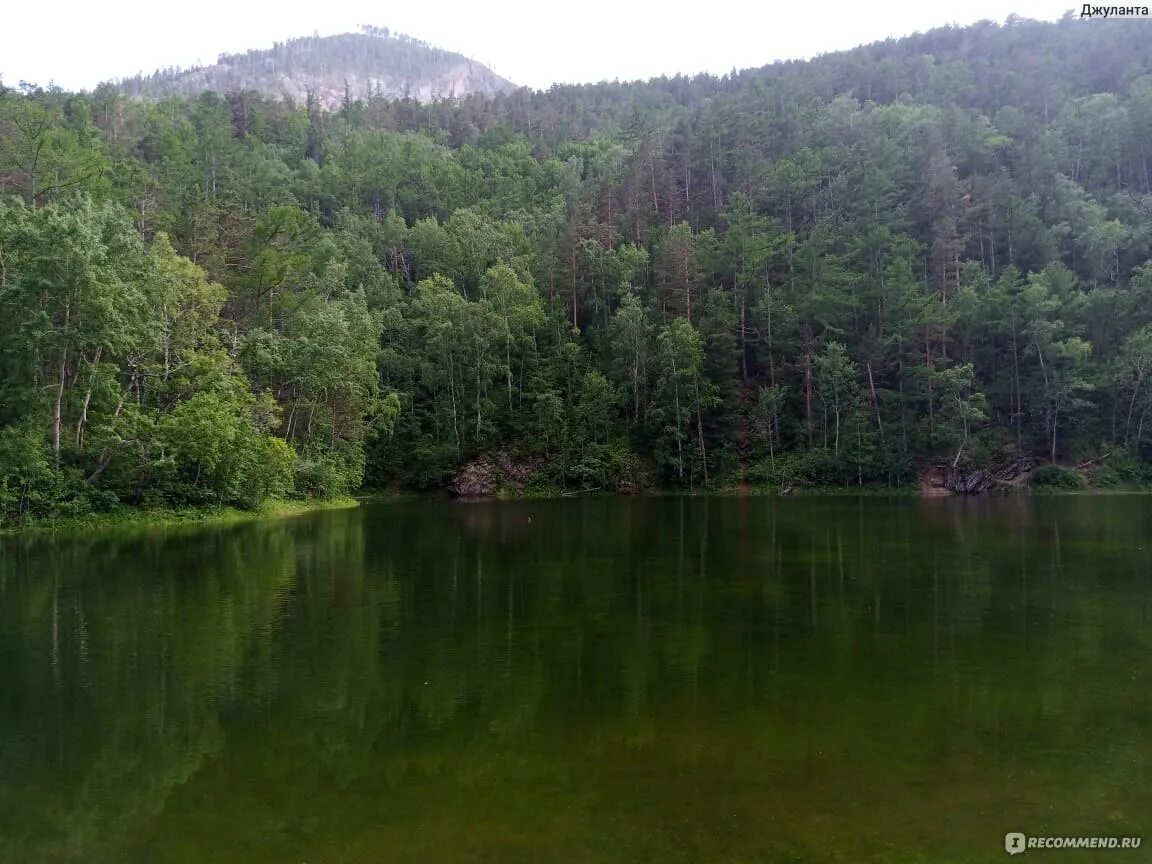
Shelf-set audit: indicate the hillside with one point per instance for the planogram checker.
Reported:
(373, 62)
(928, 255)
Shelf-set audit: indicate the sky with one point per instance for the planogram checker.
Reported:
(79, 43)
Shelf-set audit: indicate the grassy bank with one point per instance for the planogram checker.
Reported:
(130, 517)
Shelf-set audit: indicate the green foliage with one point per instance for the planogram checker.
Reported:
(49, 147)
(212, 445)
(1057, 477)
(30, 482)
(612, 467)
(1122, 472)
(796, 468)
(329, 475)
(775, 277)
(144, 403)
(823, 468)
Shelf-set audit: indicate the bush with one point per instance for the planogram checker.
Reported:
(216, 452)
(824, 468)
(32, 486)
(421, 464)
(1057, 477)
(329, 475)
(1122, 473)
(269, 466)
(609, 466)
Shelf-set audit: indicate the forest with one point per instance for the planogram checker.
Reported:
(932, 251)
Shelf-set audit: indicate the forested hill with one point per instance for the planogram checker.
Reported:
(374, 62)
(932, 251)
(1031, 66)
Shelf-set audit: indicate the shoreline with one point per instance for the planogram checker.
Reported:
(177, 517)
(130, 518)
(752, 491)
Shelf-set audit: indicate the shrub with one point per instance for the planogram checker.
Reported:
(269, 466)
(1057, 477)
(609, 466)
(427, 464)
(31, 485)
(1122, 472)
(217, 452)
(824, 468)
(329, 475)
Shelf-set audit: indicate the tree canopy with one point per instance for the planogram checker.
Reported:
(933, 250)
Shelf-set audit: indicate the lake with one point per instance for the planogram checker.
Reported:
(607, 680)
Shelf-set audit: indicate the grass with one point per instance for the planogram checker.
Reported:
(129, 517)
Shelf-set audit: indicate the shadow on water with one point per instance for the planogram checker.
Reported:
(681, 679)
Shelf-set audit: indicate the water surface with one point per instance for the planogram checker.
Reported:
(665, 680)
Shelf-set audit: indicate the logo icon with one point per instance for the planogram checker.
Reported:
(1015, 842)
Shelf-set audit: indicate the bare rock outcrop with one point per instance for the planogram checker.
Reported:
(1005, 477)
(489, 475)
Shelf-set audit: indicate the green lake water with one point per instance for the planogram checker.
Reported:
(612, 680)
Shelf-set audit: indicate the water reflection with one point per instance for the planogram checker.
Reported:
(590, 680)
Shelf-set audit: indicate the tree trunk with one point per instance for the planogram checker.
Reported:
(679, 435)
(87, 400)
(106, 455)
(479, 361)
(1048, 397)
(700, 429)
(1131, 407)
(876, 405)
(508, 361)
(808, 390)
(743, 338)
(636, 387)
(62, 375)
(572, 269)
(930, 365)
(964, 440)
(452, 396)
(1019, 400)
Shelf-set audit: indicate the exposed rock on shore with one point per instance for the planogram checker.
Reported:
(946, 480)
(487, 476)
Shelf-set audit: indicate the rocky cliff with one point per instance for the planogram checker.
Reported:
(373, 62)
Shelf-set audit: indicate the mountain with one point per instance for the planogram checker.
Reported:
(372, 62)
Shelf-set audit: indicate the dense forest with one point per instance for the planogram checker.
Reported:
(929, 251)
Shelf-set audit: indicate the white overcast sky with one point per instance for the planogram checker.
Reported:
(79, 43)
